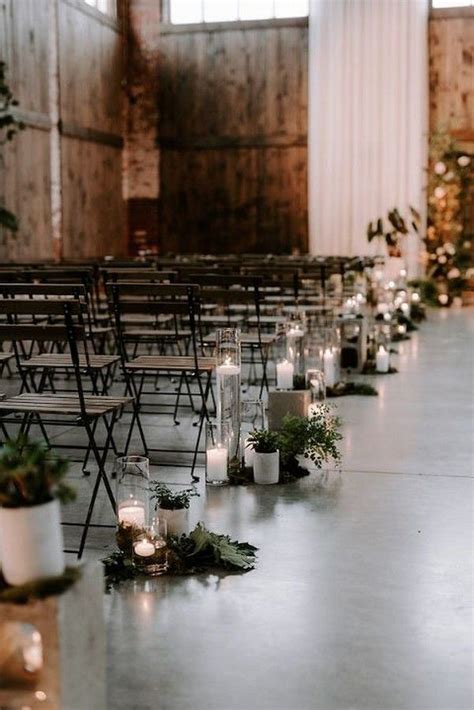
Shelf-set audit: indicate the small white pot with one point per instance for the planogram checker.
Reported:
(31, 543)
(177, 520)
(266, 468)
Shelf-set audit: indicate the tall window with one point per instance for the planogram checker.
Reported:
(191, 11)
(108, 7)
(452, 3)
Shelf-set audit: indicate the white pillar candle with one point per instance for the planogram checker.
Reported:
(330, 367)
(295, 332)
(216, 460)
(382, 360)
(132, 512)
(405, 308)
(248, 454)
(227, 368)
(144, 548)
(402, 329)
(33, 653)
(285, 371)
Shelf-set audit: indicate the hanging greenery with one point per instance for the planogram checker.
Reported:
(448, 248)
(9, 127)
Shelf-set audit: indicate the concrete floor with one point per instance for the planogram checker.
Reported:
(362, 595)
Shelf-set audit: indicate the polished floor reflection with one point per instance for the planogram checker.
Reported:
(362, 595)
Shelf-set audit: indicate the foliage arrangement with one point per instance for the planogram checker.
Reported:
(263, 441)
(343, 389)
(198, 552)
(315, 437)
(299, 382)
(171, 500)
(9, 127)
(30, 475)
(448, 248)
(40, 589)
(392, 229)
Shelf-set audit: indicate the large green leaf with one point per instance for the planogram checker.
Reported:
(8, 219)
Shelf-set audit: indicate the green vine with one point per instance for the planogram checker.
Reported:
(9, 127)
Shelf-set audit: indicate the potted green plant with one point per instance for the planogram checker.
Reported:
(266, 457)
(173, 506)
(31, 488)
(313, 438)
(282, 402)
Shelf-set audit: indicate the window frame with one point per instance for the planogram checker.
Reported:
(460, 11)
(167, 27)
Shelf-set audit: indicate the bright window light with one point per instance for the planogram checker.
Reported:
(183, 12)
(107, 7)
(291, 8)
(255, 9)
(452, 3)
(220, 10)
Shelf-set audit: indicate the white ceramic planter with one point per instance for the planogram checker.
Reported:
(177, 520)
(266, 468)
(31, 543)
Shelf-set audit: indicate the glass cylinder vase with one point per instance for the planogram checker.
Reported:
(332, 356)
(133, 490)
(150, 548)
(316, 383)
(228, 380)
(295, 343)
(217, 453)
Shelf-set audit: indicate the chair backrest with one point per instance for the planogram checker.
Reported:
(179, 300)
(69, 331)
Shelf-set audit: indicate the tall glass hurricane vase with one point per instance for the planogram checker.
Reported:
(133, 491)
(228, 376)
(295, 343)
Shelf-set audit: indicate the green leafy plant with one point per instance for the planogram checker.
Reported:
(315, 437)
(299, 382)
(9, 127)
(171, 500)
(393, 229)
(30, 475)
(263, 441)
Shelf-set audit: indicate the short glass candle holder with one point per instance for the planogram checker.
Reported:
(133, 492)
(217, 453)
(150, 549)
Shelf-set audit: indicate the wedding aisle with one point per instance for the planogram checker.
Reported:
(362, 588)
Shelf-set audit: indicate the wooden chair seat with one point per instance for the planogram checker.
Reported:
(62, 404)
(176, 363)
(5, 357)
(222, 319)
(59, 360)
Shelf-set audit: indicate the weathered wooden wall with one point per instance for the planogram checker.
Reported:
(452, 75)
(233, 139)
(24, 165)
(90, 74)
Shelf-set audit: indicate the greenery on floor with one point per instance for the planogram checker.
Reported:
(199, 552)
